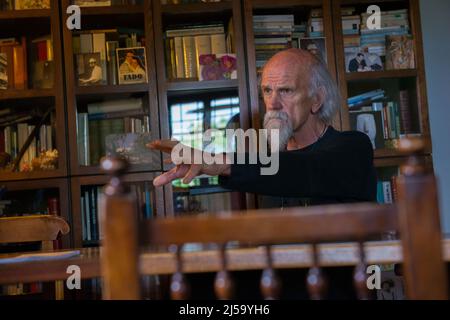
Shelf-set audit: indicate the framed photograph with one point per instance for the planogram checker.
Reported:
(363, 62)
(217, 67)
(370, 123)
(400, 52)
(89, 69)
(316, 46)
(131, 65)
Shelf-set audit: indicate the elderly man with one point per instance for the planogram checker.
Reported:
(316, 162)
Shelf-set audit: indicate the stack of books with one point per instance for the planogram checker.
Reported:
(395, 22)
(13, 63)
(315, 23)
(273, 33)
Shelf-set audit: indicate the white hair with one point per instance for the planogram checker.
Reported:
(320, 78)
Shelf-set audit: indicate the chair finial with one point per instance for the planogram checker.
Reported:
(413, 147)
(115, 167)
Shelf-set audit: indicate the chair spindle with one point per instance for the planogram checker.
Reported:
(179, 287)
(224, 284)
(270, 282)
(315, 280)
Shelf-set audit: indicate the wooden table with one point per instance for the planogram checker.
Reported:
(291, 256)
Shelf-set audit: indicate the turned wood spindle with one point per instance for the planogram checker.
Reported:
(419, 227)
(412, 147)
(360, 275)
(315, 280)
(179, 287)
(119, 259)
(270, 282)
(224, 284)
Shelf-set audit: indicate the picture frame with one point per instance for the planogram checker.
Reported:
(131, 65)
(316, 46)
(89, 69)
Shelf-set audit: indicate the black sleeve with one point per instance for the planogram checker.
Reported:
(342, 170)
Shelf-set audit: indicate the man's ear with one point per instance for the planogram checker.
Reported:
(317, 100)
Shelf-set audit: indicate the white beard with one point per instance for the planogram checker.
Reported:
(279, 120)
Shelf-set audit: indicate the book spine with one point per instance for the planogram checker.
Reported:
(387, 192)
(405, 113)
(218, 44)
(179, 57)
(190, 60)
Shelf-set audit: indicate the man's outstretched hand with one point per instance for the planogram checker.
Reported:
(187, 170)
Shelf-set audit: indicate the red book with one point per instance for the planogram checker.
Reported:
(42, 50)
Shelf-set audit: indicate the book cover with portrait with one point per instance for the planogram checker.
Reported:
(131, 65)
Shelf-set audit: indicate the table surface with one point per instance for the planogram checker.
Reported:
(254, 258)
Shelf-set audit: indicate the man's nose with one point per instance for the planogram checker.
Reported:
(274, 102)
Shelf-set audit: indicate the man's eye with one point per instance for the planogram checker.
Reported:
(286, 91)
(267, 91)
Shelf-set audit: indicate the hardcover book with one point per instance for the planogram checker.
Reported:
(132, 65)
(31, 4)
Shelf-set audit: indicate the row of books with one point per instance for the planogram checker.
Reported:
(113, 56)
(14, 59)
(105, 3)
(387, 191)
(185, 46)
(187, 1)
(24, 4)
(12, 139)
(384, 122)
(113, 127)
(89, 204)
(272, 34)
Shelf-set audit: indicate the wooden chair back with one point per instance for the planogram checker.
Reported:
(42, 228)
(35, 228)
(415, 216)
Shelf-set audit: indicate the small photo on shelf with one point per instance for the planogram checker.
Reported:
(400, 52)
(316, 46)
(217, 67)
(371, 124)
(132, 65)
(131, 146)
(89, 69)
(363, 62)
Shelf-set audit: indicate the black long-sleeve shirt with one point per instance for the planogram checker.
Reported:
(337, 168)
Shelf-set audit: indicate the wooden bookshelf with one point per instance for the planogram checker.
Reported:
(78, 182)
(142, 18)
(255, 7)
(26, 14)
(13, 97)
(26, 94)
(161, 91)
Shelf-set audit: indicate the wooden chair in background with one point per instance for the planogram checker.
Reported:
(415, 216)
(37, 228)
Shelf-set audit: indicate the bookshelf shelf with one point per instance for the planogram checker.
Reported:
(121, 9)
(358, 76)
(202, 85)
(270, 4)
(193, 8)
(100, 90)
(25, 14)
(32, 175)
(26, 94)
